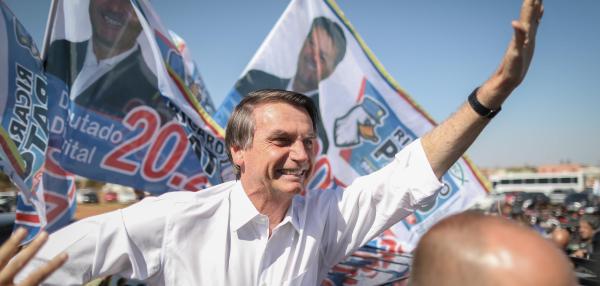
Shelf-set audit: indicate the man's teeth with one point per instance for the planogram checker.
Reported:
(113, 21)
(295, 172)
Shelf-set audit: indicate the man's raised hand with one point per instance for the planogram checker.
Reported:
(9, 268)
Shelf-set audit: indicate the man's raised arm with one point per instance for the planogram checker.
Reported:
(448, 141)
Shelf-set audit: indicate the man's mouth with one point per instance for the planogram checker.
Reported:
(114, 19)
(298, 172)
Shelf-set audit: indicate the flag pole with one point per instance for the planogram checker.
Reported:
(49, 25)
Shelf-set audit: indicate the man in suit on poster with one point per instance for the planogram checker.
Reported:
(107, 73)
(322, 50)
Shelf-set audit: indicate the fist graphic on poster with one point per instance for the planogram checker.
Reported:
(359, 122)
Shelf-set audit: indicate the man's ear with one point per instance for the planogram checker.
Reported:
(237, 154)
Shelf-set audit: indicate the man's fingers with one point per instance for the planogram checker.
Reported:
(9, 272)
(43, 272)
(9, 248)
(520, 34)
(526, 27)
(531, 14)
(537, 17)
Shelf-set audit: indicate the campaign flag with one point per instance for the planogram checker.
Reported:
(130, 117)
(193, 79)
(58, 193)
(369, 266)
(57, 187)
(366, 118)
(26, 94)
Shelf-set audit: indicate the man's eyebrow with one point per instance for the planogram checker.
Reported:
(311, 136)
(278, 132)
(282, 133)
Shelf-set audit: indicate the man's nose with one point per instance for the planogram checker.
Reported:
(299, 151)
(315, 53)
(119, 6)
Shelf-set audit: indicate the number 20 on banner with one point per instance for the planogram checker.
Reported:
(155, 137)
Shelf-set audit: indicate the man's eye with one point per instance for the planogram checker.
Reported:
(309, 143)
(281, 141)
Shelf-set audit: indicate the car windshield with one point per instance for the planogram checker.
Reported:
(575, 198)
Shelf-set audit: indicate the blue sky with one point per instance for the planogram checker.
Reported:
(438, 51)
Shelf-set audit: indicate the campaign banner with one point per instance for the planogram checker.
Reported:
(23, 110)
(369, 266)
(193, 79)
(58, 192)
(26, 94)
(130, 117)
(366, 118)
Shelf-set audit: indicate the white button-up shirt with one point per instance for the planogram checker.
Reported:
(217, 237)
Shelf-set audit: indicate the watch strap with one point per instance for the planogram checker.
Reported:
(480, 108)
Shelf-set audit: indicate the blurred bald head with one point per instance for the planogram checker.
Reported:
(474, 249)
(561, 237)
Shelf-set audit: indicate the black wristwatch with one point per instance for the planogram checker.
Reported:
(479, 108)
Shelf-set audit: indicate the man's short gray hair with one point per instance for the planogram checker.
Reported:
(241, 124)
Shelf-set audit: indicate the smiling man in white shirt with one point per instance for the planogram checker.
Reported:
(257, 230)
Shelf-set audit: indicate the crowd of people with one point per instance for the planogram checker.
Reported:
(576, 230)
(572, 228)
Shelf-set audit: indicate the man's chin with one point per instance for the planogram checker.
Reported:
(107, 39)
(293, 188)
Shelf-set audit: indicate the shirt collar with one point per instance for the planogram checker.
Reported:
(92, 60)
(243, 211)
(241, 208)
(291, 217)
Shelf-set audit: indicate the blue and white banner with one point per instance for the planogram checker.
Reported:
(193, 79)
(130, 117)
(23, 105)
(366, 117)
(369, 266)
(45, 197)
(58, 193)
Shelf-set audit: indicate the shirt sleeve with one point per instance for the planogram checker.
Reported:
(373, 203)
(127, 242)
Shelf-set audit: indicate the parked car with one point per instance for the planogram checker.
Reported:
(7, 222)
(126, 197)
(110, 197)
(577, 201)
(489, 201)
(511, 197)
(87, 196)
(557, 197)
(528, 200)
(8, 202)
(538, 198)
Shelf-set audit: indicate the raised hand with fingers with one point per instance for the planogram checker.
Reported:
(448, 141)
(9, 266)
(516, 61)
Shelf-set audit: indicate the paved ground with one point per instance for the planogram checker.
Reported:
(85, 210)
